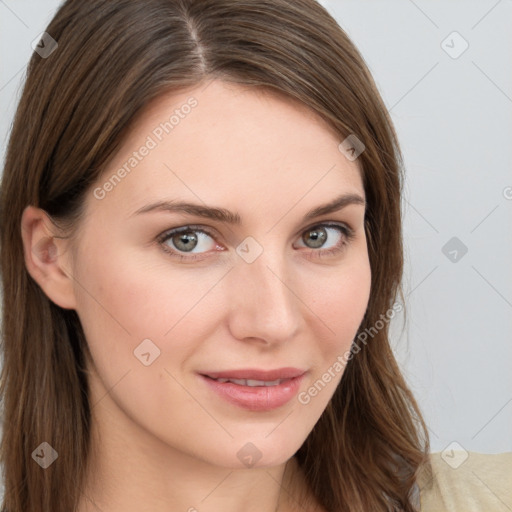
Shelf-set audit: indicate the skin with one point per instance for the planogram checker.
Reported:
(162, 440)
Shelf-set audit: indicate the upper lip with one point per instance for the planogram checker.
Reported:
(255, 374)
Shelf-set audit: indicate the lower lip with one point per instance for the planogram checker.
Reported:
(257, 398)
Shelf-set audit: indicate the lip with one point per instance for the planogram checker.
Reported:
(256, 398)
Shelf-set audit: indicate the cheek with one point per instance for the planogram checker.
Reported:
(339, 306)
(341, 303)
(355, 293)
(127, 296)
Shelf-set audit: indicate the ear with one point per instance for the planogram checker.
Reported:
(47, 257)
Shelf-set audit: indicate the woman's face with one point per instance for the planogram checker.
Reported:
(251, 280)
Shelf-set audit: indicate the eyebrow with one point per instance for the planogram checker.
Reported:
(228, 217)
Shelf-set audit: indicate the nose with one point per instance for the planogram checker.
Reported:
(263, 304)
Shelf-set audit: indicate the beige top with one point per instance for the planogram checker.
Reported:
(467, 482)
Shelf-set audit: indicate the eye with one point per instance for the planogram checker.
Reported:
(187, 240)
(329, 238)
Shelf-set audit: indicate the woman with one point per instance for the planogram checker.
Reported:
(201, 253)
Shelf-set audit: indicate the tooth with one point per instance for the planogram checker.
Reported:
(240, 382)
(250, 382)
(253, 383)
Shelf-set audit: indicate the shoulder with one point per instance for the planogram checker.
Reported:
(467, 481)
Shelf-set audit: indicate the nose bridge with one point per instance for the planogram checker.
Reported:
(263, 305)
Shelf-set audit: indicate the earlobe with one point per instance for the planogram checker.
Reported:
(45, 257)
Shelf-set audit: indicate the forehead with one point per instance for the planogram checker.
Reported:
(227, 143)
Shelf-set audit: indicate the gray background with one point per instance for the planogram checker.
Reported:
(453, 114)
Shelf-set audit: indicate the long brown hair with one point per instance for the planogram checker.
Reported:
(113, 57)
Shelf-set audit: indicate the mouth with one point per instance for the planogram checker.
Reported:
(255, 390)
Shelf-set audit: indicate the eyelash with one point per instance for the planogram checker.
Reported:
(347, 236)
